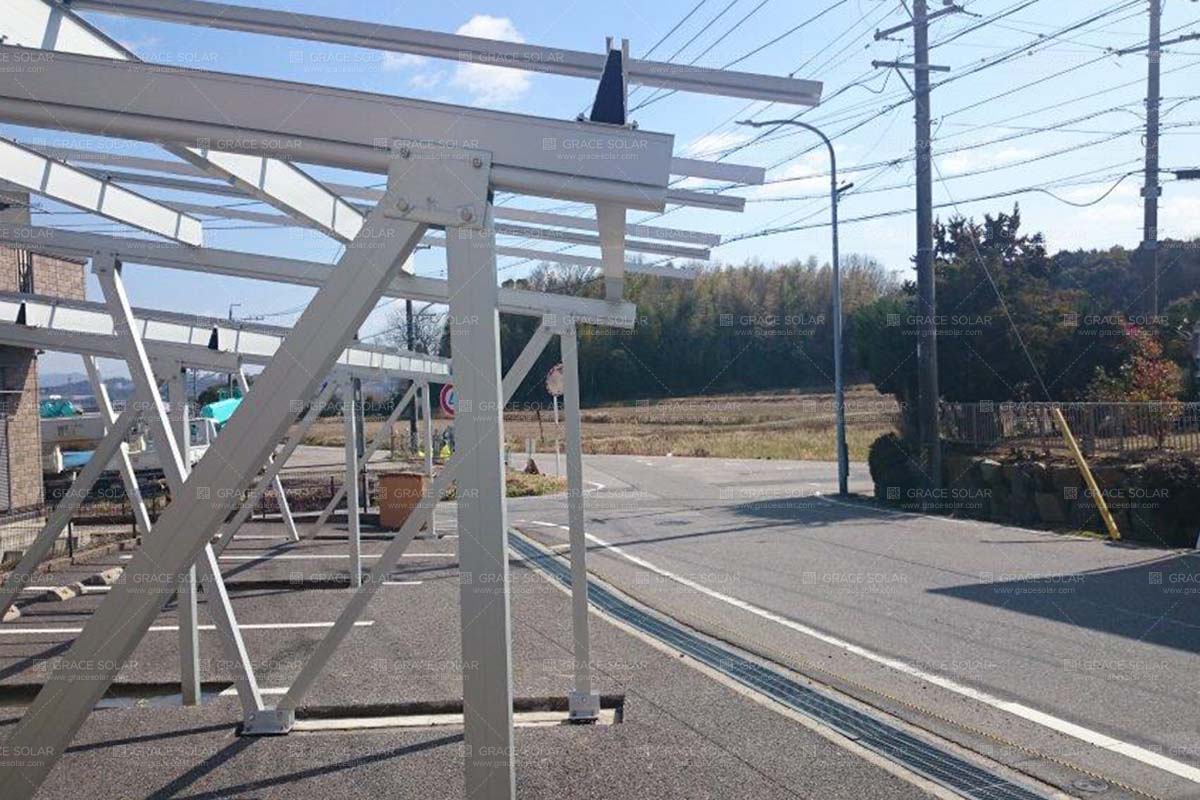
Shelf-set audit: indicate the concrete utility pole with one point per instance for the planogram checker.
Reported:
(927, 363)
(411, 338)
(1151, 191)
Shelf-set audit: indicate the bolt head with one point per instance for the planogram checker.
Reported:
(476, 162)
(466, 215)
(405, 152)
(403, 204)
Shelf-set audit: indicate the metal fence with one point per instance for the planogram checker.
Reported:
(1100, 428)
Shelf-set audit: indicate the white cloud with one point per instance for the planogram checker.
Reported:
(489, 85)
(397, 61)
(713, 144)
(983, 158)
(807, 175)
(427, 80)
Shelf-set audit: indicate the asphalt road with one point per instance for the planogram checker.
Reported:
(1073, 659)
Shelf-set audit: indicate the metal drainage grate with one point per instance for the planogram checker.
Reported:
(917, 755)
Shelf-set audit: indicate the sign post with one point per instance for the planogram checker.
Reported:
(554, 385)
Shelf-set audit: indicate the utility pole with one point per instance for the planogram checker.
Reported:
(1152, 187)
(927, 362)
(1152, 190)
(412, 412)
(229, 385)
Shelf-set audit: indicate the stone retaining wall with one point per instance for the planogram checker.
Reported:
(1155, 502)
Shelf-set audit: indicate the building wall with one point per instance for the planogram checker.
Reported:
(23, 271)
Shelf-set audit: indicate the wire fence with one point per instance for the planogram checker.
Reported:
(1110, 429)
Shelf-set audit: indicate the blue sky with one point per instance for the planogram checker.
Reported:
(1094, 141)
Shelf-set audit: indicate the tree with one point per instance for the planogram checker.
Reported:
(1009, 326)
(429, 329)
(1146, 376)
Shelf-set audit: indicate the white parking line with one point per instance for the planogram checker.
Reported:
(86, 589)
(259, 626)
(317, 556)
(1095, 738)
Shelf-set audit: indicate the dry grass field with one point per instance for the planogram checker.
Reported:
(778, 425)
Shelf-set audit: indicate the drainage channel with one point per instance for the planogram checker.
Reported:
(938, 765)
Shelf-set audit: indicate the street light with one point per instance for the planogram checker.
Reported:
(839, 388)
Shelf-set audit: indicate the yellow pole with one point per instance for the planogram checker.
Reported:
(1088, 478)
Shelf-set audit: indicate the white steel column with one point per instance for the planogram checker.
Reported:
(482, 519)
(376, 443)
(353, 523)
(584, 703)
(132, 491)
(273, 468)
(426, 412)
(610, 219)
(186, 602)
(285, 510)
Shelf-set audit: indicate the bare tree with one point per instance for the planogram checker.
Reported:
(429, 328)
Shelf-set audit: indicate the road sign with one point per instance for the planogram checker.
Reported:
(554, 380)
(448, 399)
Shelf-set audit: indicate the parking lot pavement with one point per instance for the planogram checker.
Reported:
(682, 733)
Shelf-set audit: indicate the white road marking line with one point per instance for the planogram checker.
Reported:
(1095, 738)
(320, 556)
(259, 626)
(231, 691)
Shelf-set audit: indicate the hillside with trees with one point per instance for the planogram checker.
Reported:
(1015, 322)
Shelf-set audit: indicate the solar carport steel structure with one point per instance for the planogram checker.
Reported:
(444, 165)
(175, 343)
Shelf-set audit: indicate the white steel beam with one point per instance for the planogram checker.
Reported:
(709, 200)
(327, 126)
(299, 272)
(52, 26)
(679, 197)
(640, 268)
(719, 171)
(590, 224)
(161, 165)
(552, 235)
(502, 229)
(186, 527)
(80, 326)
(554, 60)
(285, 510)
(34, 172)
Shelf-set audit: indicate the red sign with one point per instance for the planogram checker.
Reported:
(448, 399)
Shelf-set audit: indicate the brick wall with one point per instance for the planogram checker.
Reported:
(21, 466)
